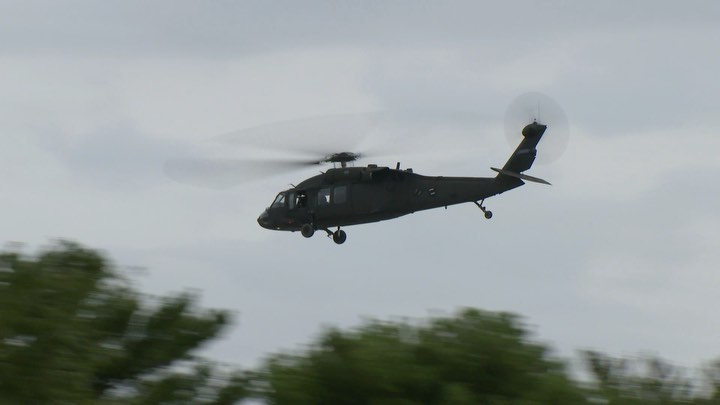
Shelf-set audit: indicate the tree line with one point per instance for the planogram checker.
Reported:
(75, 330)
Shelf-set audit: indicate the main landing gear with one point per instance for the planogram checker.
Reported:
(307, 230)
(488, 213)
(339, 236)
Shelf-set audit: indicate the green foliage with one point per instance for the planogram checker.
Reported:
(474, 357)
(649, 380)
(73, 331)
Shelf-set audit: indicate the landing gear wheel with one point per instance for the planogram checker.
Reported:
(339, 237)
(487, 212)
(307, 230)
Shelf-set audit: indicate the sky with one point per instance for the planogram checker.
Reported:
(619, 254)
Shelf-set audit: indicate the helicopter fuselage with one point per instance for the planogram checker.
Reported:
(358, 195)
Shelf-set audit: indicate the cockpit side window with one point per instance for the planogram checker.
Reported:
(300, 199)
(279, 201)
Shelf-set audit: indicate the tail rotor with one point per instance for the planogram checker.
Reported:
(539, 108)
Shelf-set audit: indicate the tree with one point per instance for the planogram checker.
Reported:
(649, 379)
(473, 357)
(73, 330)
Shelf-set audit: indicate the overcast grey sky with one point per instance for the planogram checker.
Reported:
(620, 254)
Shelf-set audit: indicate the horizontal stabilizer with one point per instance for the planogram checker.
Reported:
(520, 176)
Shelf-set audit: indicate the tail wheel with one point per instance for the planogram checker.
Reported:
(307, 230)
(339, 237)
(487, 212)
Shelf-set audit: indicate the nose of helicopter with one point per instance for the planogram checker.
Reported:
(263, 220)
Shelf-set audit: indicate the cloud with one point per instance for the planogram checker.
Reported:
(228, 28)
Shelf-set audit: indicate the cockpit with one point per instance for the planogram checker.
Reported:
(284, 209)
(291, 199)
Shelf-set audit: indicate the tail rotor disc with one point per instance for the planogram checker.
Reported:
(537, 107)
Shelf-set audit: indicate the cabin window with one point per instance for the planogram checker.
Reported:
(340, 195)
(279, 201)
(324, 196)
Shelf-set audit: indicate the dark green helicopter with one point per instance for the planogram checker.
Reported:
(345, 195)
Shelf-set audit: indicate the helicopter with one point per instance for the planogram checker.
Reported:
(346, 195)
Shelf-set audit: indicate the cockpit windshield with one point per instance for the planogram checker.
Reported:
(279, 201)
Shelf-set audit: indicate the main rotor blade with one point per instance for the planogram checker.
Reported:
(379, 133)
(320, 136)
(237, 157)
(225, 173)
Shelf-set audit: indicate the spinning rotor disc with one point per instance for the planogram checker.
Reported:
(268, 150)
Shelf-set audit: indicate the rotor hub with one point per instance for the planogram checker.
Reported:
(534, 129)
(342, 157)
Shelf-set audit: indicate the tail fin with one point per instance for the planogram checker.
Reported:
(523, 157)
